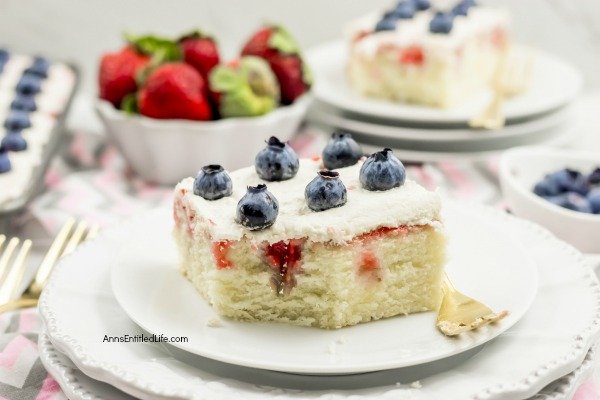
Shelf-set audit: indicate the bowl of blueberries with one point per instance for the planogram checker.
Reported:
(558, 189)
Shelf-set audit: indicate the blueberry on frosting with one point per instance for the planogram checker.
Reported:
(387, 23)
(29, 84)
(382, 171)
(5, 165)
(14, 141)
(17, 120)
(341, 151)
(213, 183)
(462, 7)
(404, 10)
(422, 5)
(276, 162)
(23, 102)
(258, 209)
(441, 23)
(39, 67)
(325, 191)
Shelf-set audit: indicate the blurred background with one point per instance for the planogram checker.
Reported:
(81, 30)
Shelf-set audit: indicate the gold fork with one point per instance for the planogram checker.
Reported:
(459, 313)
(67, 239)
(511, 77)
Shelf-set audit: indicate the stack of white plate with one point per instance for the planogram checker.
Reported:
(126, 282)
(541, 114)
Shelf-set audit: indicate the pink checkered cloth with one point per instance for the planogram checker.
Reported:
(92, 182)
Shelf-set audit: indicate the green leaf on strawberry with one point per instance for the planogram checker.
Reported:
(283, 41)
(129, 104)
(155, 46)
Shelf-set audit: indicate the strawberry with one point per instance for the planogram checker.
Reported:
(174, 90)
(280, 50)
(117, 75)
(200, 51)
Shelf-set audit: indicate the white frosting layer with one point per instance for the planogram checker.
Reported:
(51, 101)
(365, 211)
(415, 31)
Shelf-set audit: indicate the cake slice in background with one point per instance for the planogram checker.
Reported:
(427, 54)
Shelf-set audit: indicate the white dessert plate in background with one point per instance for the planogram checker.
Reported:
(550, 341)
(150, 288)
(446, 141)
(555, 83)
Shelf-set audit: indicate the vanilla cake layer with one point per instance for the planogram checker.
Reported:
(413, 65)
(380, 255)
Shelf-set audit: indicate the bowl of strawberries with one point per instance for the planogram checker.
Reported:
(172, 105)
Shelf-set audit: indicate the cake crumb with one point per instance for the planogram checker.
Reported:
(416, 385)
(214, 323)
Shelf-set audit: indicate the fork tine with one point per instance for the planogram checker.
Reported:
(14, 278)
(53, 254)
(76, 238)
(6, 256)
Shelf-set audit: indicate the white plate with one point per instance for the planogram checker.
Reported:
(555, 83)
(151, 290)
(78, 386)
(373, 131)
(551, 340)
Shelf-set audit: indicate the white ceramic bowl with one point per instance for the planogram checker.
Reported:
(166, 151)
(521, 168)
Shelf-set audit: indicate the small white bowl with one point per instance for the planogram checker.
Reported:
(166, 151)
(521, 168)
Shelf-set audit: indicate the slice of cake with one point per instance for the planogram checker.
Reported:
(435, 55)
(286, 240)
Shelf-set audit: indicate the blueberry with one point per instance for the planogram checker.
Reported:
(17, 120)
(593, 198)
(441, 23)
(404, 10)
(29, 84)
(213, 183)
(387, 23)
(258, 208)
(382, 171)
(422, 5)
(594, 177)
(571, 201)
(570, 180)
(39, 67)
(325, 191)
(461, 9)
(547, 187)
(24, 103)
(14, 141)
(341, 151)
(276, 162)
(5, 165)
(4, 55)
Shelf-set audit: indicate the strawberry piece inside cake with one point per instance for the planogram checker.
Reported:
(356, 253)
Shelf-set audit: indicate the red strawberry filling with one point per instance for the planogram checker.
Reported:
(284, 258)
(220, 251)
(412, 55)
